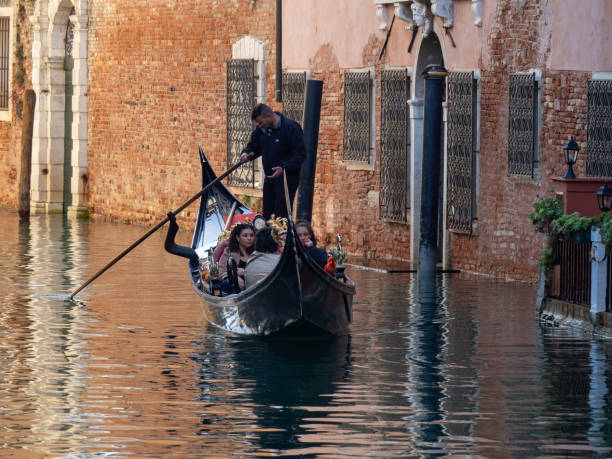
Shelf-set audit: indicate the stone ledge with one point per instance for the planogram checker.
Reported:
(577, 316)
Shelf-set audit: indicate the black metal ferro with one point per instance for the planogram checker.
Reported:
(432, 133)
(312, 115)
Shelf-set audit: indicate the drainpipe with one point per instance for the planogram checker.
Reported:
(278, 93)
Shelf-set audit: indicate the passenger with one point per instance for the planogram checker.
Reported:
(240, 246)
(265, 257)
(307, 238)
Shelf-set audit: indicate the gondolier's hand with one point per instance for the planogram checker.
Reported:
(245, 157)
(278, 171)
(172, 219)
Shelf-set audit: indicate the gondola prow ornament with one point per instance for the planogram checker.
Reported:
(214, 281)
(339, 257)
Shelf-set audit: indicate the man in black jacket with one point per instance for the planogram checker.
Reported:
(280, 143)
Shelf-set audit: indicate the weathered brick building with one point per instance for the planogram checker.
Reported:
(151, 80)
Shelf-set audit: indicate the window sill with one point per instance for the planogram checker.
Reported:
(246, 191)
(358, 166)
(473, 233)
(527, 179)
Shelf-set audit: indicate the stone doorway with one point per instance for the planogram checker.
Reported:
(59, 143)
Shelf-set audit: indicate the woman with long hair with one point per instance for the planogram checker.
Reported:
(306, 236)
(241, 245)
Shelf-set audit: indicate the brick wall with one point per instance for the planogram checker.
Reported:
(346, 201)
(157, 90)
(10, 131)
(506, 244)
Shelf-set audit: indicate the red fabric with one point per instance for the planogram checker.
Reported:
(330, 267)
(218, 253)
(240, 218)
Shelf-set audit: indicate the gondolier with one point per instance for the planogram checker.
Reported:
(280, 142)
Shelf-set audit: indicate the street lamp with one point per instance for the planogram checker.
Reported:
(604, 198)
(571, 152)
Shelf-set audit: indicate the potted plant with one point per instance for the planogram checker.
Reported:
(544, 212)
(573, 227)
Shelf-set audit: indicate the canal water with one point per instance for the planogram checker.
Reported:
(131, 369)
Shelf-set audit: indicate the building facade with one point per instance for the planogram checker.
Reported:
(127, 91)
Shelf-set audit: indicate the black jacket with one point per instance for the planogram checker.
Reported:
(283, 146)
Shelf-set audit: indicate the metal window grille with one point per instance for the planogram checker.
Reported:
(240, 100)
(69, 40)
(356, 135)
(394, 195)
(294, 96)
(522, 124)
(4, 63)
(461, 103)
(599, 129)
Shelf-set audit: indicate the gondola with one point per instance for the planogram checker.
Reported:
(298, 298)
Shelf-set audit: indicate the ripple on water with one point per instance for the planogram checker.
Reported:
(131, 369)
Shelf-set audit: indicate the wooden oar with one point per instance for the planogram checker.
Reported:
(230, 216)
(155, 228)
(287, 201)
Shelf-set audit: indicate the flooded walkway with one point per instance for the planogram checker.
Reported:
(131, 368)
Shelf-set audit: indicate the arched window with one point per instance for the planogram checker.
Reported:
(246, 84)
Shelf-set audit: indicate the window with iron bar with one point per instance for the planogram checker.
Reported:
(599, 128)
(240, 100)
(523, 106)
(357, 116)
(294, 96)
(394, 196)
(4, 62)
(462, 151)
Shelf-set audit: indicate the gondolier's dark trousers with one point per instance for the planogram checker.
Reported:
(274, 195)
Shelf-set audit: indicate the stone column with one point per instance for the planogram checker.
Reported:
(80, 111)
(416, 163)
(599, 272)
(55, 151)
(446, 252)
(38, 179)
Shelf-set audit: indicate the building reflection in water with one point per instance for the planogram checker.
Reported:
(134, 370)
(598, 392)
(43, 358)
(574, 379)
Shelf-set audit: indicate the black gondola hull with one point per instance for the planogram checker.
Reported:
(296, 296)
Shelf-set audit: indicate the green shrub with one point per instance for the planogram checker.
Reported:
(544, 212)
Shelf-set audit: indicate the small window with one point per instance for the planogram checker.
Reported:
(523, 156)
(4, 62)
(358, 117)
